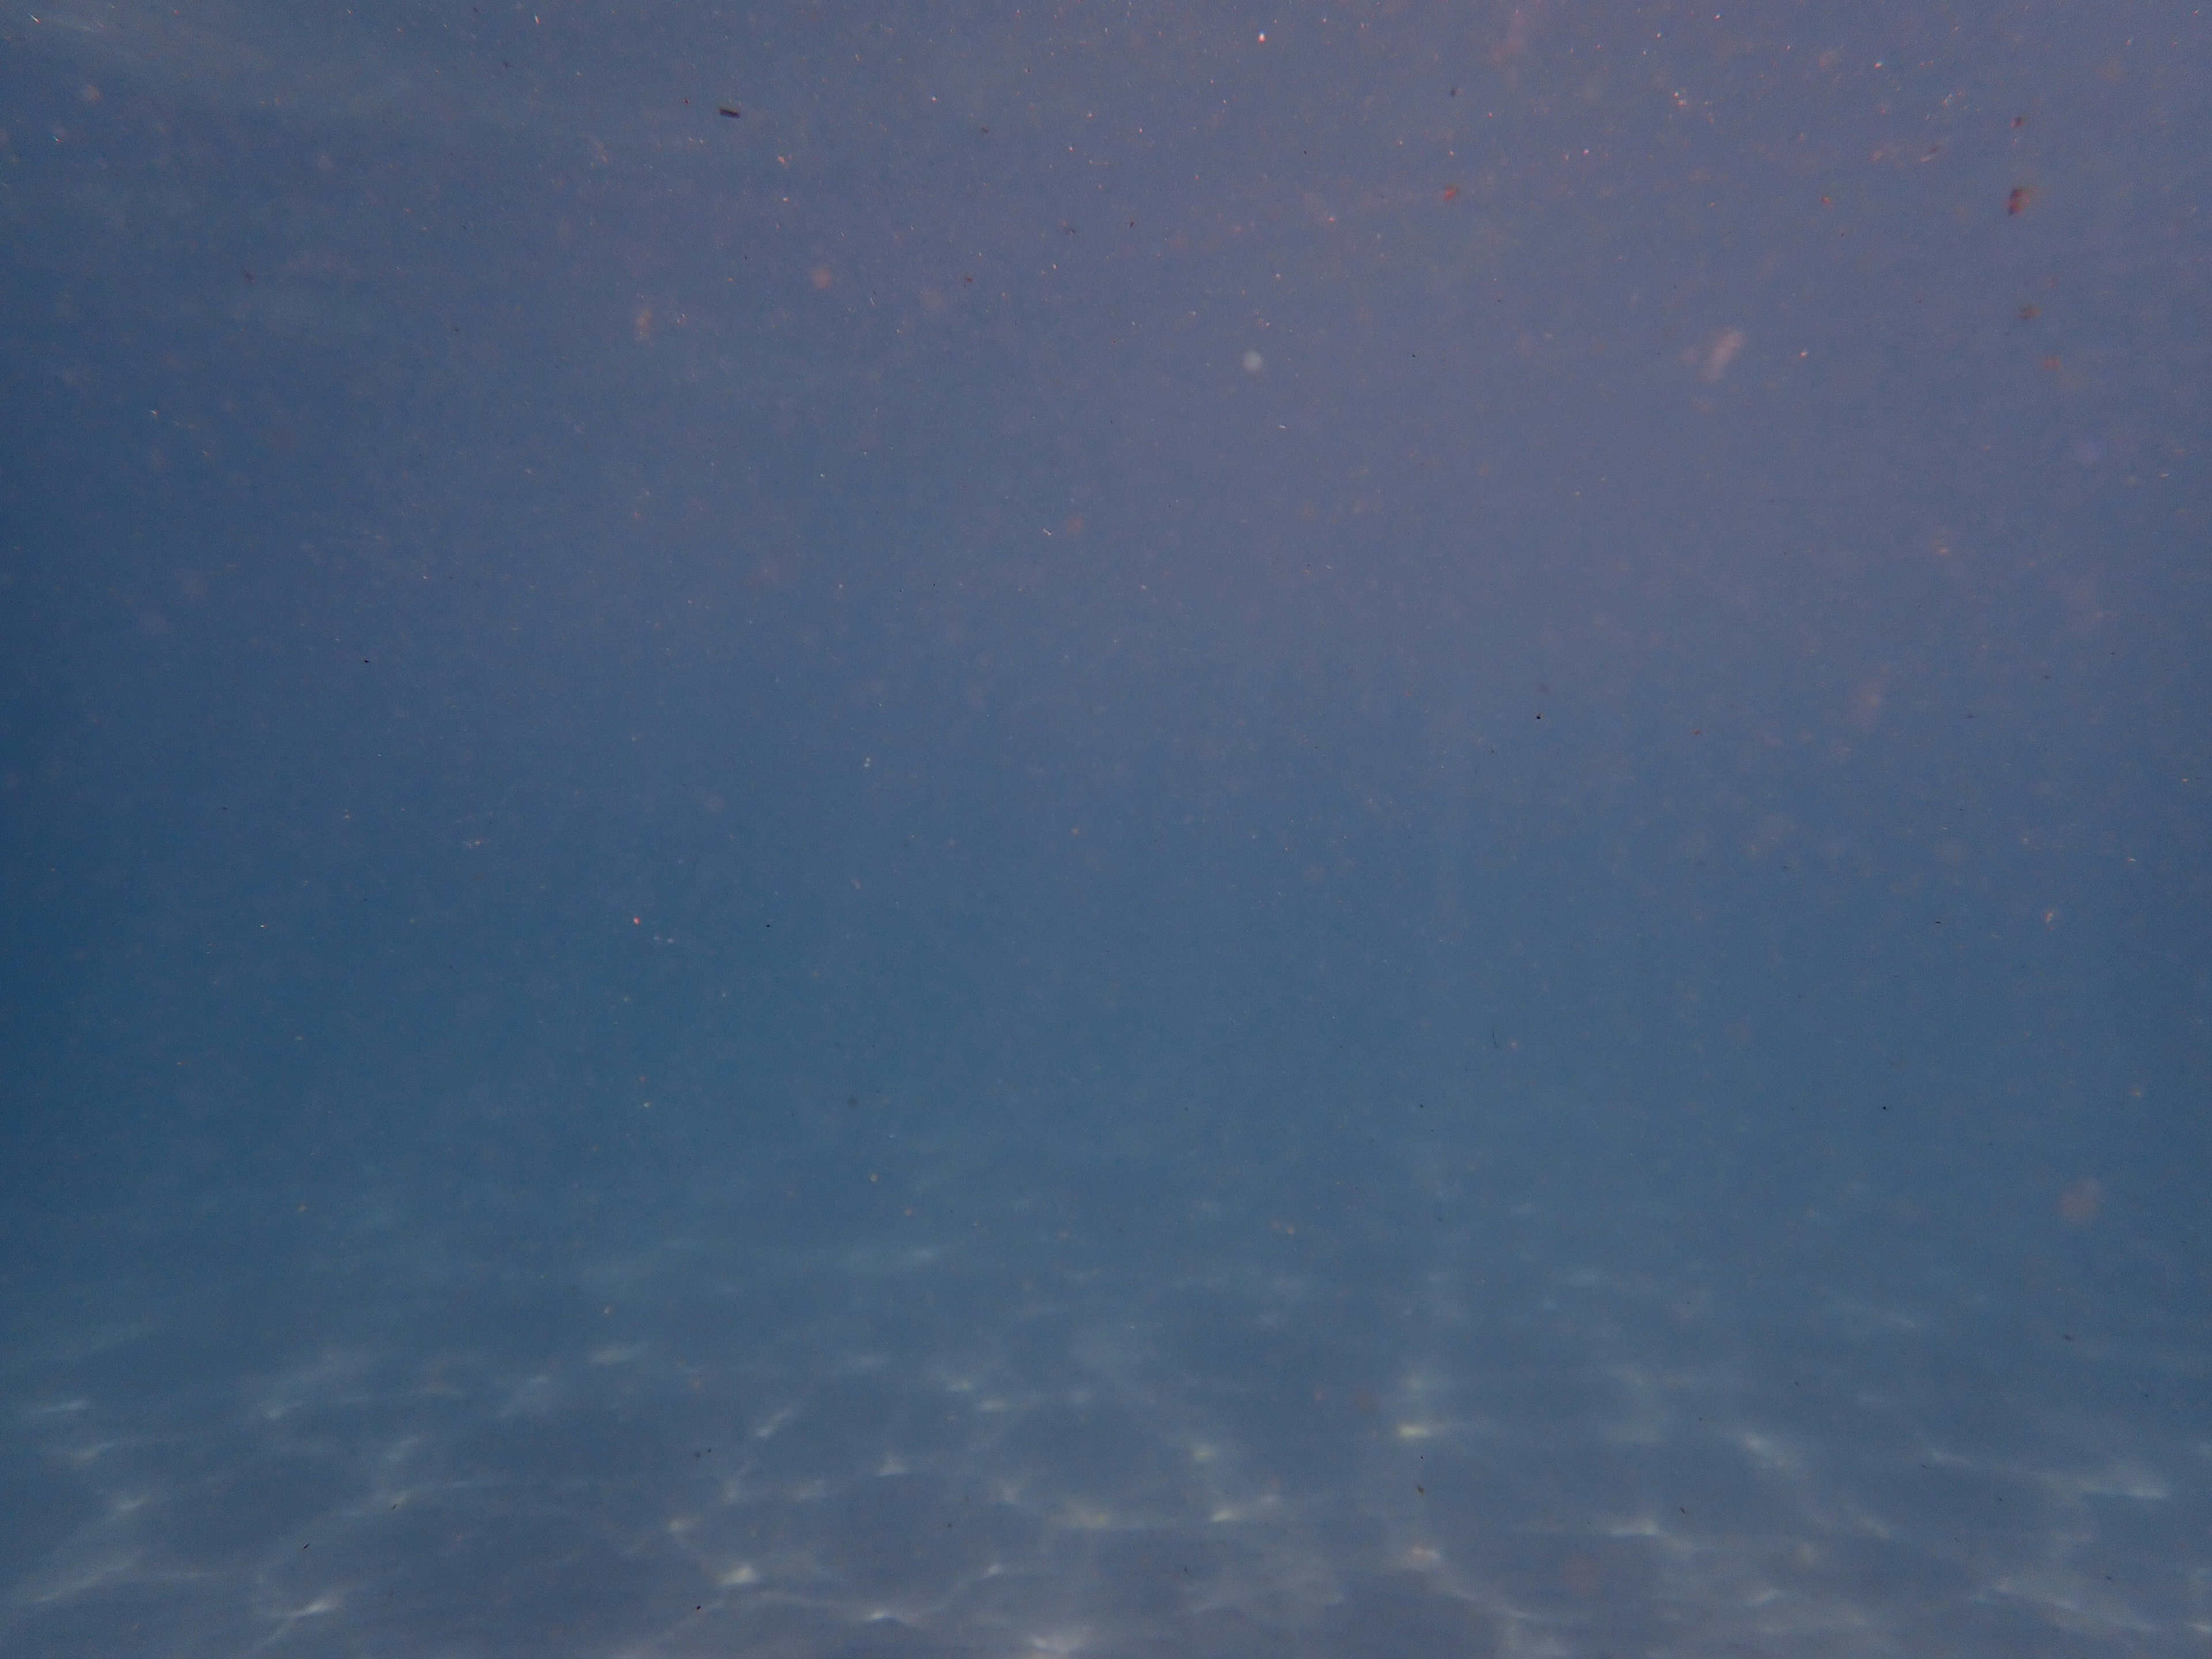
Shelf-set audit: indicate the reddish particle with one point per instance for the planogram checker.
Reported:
(2021, 196)
(1451, 193)
(2080, 1203)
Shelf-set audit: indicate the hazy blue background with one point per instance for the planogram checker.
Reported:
(1166, 830)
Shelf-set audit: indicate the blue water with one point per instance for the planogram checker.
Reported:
(1110, 839)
